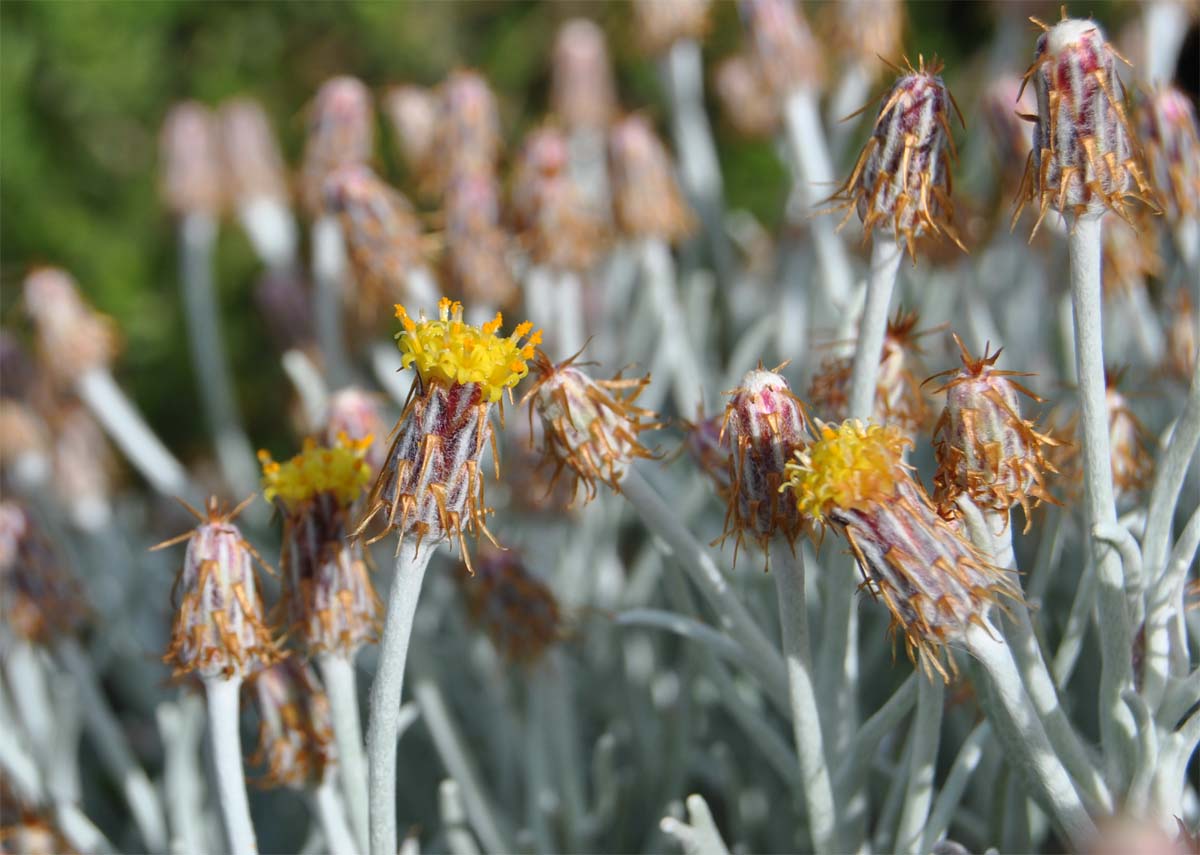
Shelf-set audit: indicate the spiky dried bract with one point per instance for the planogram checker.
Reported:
(590, 427)
(899, 397)
(1084, 158)
(764, 426)
(647, 200)
(1183, 337)
(788, 55)
(932, 580)
(518, 611)
(253, 163)
(1166, 122)
(39, 601)
(219, 628)
(902, 178)
(356, 413)
(1128, 443)
(340, 132)
(71, 337)
(430, 484)
(295, 726)
(746, 100)
(477, 246)
(864, 30)
(985, 449)
(413, 112)
(190, 150)
(1130, 255)
(659, 25)
(328, 600)
(582, 91)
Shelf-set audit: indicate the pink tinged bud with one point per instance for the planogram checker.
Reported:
(477, 248)
(252, 158)
(340, 132)
(1084, 160)
(746, 101)
(39, 601)
(219, 627)
(659, 25)
(764, 425)
(902, 178)
(783, 44)
(356, 413)
(1167, 124)
(646, 196)
(295, 730)
(191, 160)
(517, 610)
(413, 112)
(468, 127)
(71, 337)
(582, 91)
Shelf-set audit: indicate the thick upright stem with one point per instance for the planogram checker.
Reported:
(329, 266)
(658, 267)
(226, 745)
(922, 763)
(885, 261)
(383, 729)
(337, 672)
(333, 820)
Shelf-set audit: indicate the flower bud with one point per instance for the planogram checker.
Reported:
(590, 427)
(468, 125)
(39, 601)
(340, 132)
(295, 730)
(902, 177)
(764, 426)
(707, 445)
(355, 413)
(646, 197)
(413, 112)
(582, 91)
(71, 337)
(658, 25)
(252, 158)
(476, 257)
(932, 580)
(745, 99)
(1167, 124)
(787, 53)
(191, 160)
(219, 628)
(1084, 161)
(517, 610)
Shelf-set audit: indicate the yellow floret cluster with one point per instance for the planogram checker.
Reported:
(339, 470)
(450, 351)
(849, 466)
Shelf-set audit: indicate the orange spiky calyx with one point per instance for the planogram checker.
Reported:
(519, 612)
(295, 730)
(984, 448)
(219, 628)
(39, 601)
(764, 426)
(647, 201)
(1085, 159)
(902, 178)
(1167, 123)
(591, 428)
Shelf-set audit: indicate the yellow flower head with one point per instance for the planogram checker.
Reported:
(849, 466)
(450, 351)
(339, 470)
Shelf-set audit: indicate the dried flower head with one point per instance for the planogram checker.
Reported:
(356, 413)
(1167, 127)
(71, 338)
(902, 177)
(746, 100)
(39, 601)
(329, 602)
(861, 31)
(764, 426)
(340, 132)
(191, 160)
(1084, 159)
(518, 611)
(219, 627)
(295, 727)
(932, 580)
(1183, 329)
(431, 482)
(659, 25)
(985, 449)
(413, 112)
(477, 248)
(788, 55)
(590, 427)
(253, 162)
(1128, 442)
(647, 200)
(582, 90)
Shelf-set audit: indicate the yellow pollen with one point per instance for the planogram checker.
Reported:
(850, 466)
(339, 470)
(450, 351)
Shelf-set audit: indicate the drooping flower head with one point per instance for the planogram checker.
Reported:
(901, 181)
(518, 611)
(39, 601)
(191, 160)
(1084, 159)
(934, 582)
(295, 726)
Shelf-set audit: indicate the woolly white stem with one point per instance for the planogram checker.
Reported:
(853, 90)
(853, 768)
(329, 267)
(225, 740)
(1164, 26)
(922, 763)
(386, 690)
(180, 725)
(328, 807)
(459, 839)
(26, 677)
(946, 804)
(1166, 598)
(699, 836)
(788, 569)
(568, 299)
(337, 673)
(271, 228)
(1168, 482)
(1024, 740)
(17, 763)
(1117, 727)
(885, 262)
(658, 268)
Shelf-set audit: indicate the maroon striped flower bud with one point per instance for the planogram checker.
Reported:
(253, 162)
(582, 91)
(646, 195)
(783, 44)
(295, 726)
(746, 101)
(764, 425)
(413, 112)
(658, 25)
(517, 611)
(71, 337)
(902, 177)
(355, 413)
(1084, 159)
(340, 132)
(219, 627)
(1167, 125)
(477, 248)
(468, 125)
(191, 160)
(985, 449)
(39, 601)
(590, 427)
